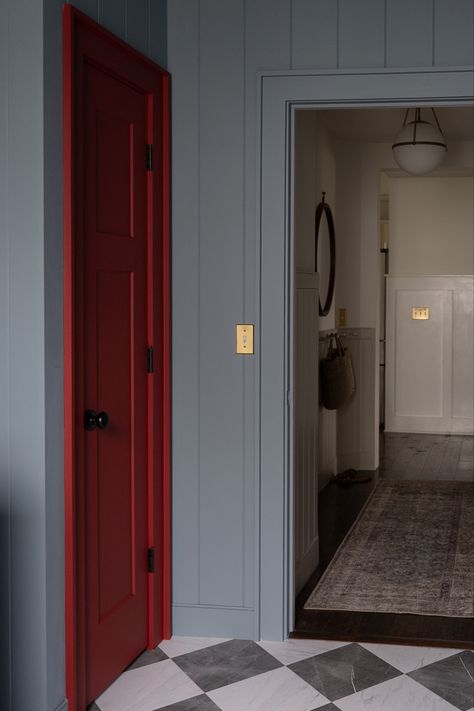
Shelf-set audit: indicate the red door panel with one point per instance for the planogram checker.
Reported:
(115, 343)
(116, 307)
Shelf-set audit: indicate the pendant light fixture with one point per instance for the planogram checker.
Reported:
(420, 146)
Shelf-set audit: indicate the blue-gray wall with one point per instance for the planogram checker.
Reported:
(31, 362)
(215, 49)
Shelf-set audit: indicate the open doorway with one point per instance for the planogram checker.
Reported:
(378, 436)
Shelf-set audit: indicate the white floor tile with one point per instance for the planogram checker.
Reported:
(407, 659)
(294, 650)
(400, 694)
(277, 690)
(176, 646)
(148, 688)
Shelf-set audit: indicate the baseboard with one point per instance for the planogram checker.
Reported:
(62, 706)
(363, 461)
(430, 425)
(307, 565)
(207, 621)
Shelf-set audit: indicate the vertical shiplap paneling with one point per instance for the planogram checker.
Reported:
(306, 376)
(26, 343)
(158, 29)
(314, 28)
(112, 16)
(53, 346)
(5, 561)
(361, 33)
(264, 49)
(453, 33)
(409, 33)
(136, 24)
(183, 61)
(221, 268)
(88, 7)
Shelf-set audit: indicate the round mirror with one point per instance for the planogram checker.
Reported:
(325, 255)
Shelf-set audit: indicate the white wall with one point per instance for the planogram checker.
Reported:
(431, 225)
(358, 290)
(358, 283)
(315, 173)
(305, 437)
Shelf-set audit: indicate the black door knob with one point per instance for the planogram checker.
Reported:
(93, 419)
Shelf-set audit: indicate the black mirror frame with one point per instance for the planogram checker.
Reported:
(323, 208)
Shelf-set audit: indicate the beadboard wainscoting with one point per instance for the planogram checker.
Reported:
(429, 378)
(306, 541)
(357, 420)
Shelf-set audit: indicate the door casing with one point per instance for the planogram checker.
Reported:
(280, 94)
(156, 84)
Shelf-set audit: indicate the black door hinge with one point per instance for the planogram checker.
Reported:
(149, 157)
(150, 559)
(149, 360)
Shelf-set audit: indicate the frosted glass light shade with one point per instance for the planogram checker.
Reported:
(419, 148)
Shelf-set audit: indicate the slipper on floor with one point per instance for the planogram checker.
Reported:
(350, 476)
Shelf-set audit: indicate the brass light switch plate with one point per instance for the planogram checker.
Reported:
(244, 338)
(342, 318)
(420, 313)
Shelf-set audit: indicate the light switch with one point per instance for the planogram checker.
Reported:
(420, 313)
(342, 318)
(244, 338)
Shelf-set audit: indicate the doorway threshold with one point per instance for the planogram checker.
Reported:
(385, 628)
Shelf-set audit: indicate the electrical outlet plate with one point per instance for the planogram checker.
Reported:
(244, 338)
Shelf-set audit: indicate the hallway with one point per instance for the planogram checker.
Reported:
(427, 457)
(404, 457)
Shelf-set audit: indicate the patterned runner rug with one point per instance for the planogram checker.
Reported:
(410, 551)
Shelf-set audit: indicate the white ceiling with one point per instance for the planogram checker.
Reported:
(382, 125)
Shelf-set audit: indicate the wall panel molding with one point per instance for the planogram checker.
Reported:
(429, 375)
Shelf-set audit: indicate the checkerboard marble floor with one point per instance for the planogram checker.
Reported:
(194, 674)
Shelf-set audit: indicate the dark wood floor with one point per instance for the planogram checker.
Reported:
(414, 456)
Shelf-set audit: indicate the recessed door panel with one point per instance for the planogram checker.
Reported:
(115, 160)
(115, 341)
(117, 456)
(419, 355)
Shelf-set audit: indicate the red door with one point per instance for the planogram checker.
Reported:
(116, 319)
(115, 352)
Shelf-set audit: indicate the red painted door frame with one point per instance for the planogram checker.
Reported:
(156, 85)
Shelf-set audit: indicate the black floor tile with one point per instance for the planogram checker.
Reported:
(226, 663)
(197, 703)
(149, 657)
(344, 671)
(451, 678)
